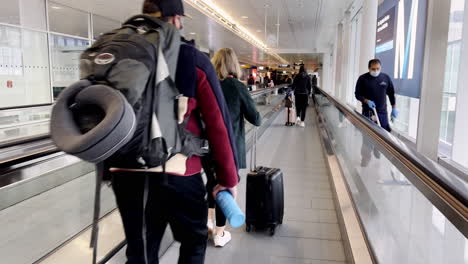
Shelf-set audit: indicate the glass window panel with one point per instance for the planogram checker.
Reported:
(24, 67)
(407, 121)
(452, 69)
(68, 21)
(30, 13)
(66, 53)
(102, 25)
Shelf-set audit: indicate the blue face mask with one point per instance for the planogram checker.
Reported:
(375, 73)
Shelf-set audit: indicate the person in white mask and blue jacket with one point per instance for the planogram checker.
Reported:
(372, 89)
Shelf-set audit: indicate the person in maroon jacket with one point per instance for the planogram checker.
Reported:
(180, 201)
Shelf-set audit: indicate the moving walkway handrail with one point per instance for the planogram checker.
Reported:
(52, 149)
(445, 190)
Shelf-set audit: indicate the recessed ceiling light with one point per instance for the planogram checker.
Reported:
(193, 33)
(244, 17)
(56, 7)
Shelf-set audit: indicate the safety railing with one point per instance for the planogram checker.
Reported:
(412, 209)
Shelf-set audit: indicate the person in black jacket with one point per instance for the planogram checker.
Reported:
(149, 200)
(372, 89)
(302, 87)
(241, 107)
(251, 80)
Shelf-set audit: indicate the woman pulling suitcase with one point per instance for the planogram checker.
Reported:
(241, 106)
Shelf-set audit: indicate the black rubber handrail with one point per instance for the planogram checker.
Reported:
(23, 107)
(447, 191)
(24, 140)
(24, 157)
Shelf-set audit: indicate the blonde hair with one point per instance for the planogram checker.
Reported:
(226, 63)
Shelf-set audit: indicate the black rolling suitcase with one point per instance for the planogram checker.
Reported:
(265, 196)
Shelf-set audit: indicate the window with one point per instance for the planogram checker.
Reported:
(66, 20)
(30, 13)
(452, 76)
(354, 44)
(102, 25)
(24, 67)
(407, 122)
(66, 53)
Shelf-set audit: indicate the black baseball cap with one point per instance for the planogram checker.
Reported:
(167, 7)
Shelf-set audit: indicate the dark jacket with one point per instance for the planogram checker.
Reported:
(302, 84)
(241, 106)
(375, 89)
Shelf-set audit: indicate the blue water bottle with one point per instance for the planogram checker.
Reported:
(230, 209)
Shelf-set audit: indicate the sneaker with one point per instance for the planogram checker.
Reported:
(302, 124)
(210, 225)
(298, 121)
(221, 241)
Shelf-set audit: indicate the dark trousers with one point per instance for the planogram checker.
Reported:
(211, 183)
(383, 118)
(180, 202)
(302, 101)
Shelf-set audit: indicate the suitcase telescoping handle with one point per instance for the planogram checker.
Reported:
(253, 152)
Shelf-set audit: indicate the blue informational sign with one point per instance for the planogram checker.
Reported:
(401, 30)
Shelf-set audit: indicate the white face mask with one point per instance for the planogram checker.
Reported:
(375, 73)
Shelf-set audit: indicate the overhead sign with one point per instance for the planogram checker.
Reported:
(284, 66)
(385, 32)
(400, 43)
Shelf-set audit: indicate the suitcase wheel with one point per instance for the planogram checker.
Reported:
(248, 228)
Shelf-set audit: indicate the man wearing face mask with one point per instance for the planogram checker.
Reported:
(372, 89)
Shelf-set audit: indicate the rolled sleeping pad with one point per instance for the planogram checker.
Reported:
(91, 122)
(230, 209)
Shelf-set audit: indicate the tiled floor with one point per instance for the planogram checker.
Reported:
(310, 233)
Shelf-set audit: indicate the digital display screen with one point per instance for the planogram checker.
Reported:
(401, 27)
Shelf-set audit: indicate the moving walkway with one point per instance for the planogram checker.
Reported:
(354, 193)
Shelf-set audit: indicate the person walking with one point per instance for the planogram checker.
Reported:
(151, 198)
(302, 87)
(372, 89)
(241, 107)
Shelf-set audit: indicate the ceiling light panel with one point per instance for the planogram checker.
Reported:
(208, 8)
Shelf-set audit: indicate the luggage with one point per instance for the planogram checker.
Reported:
(290, 116)
(265, 196)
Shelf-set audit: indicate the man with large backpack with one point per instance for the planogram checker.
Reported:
(149, 199)
(148, 106)
(154, 188)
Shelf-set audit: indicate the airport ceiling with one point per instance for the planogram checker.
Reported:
(306, 27)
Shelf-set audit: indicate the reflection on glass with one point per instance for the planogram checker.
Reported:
(24, 67)
(103, 25)
(66, 53)
(30, 13)
(452, 67)
(407, 121)
(66, 20)
(23, 123)
(400, 222)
